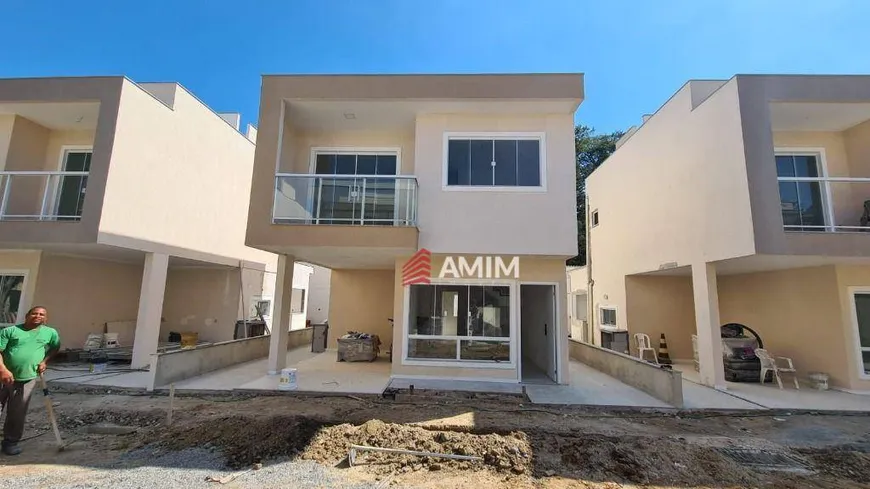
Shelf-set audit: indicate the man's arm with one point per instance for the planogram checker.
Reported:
(6, 376)
(53, 348)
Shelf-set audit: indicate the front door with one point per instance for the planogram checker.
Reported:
(360, 197)
(71, 189)
(538, 332)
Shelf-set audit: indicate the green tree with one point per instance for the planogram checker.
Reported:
(591, 150)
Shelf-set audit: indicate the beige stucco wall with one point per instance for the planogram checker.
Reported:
(658, 305)
(297, 146)
(532, 269)
(361, 300)
(6, 122)
(83, 294)
(27, 262)
(857, 144)
(201, 300)
(58, 139)
(27, 152)
(674, 194)
(483, 221)
(173, 171)
(851, 276)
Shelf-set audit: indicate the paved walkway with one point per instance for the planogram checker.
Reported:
(771, 397)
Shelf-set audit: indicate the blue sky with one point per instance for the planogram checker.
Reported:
(635, 53)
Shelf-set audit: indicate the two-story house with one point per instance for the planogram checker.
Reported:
(742, 201)
(125, 204)
(444, 206)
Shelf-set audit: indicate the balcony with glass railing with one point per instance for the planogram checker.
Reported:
(42, 195)
(356, 200)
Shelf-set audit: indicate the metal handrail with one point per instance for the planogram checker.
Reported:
(338, 175)
(43, 215)
(359, 187)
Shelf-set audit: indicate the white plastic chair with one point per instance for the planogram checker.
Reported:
(643, 344)
(768, 364)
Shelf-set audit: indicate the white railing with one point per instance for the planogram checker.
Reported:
(368, 200)
(844, 201)
(42, 195)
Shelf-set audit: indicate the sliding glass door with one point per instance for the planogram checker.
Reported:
(358, 189)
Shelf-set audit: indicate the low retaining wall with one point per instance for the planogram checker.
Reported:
(666, 385)
(178, 365)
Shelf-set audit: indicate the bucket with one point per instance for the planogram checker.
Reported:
(819, 380)
(110, 340)
(287, 381)
(188, 340)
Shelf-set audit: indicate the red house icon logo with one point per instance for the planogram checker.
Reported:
(418, 270)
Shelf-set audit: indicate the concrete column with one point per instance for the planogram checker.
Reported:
(150, 308)
(281, 315)
(706, 294)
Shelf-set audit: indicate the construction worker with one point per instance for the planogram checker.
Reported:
(24, 351)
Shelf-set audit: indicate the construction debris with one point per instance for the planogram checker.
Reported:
(354, 449)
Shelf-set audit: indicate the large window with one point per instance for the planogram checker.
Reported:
(801, 191)
(862, 322)
(486, 161)
(11, 289)
(459, 323)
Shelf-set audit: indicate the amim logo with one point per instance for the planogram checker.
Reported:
(418, 270)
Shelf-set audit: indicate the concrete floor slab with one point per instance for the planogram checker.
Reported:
(770, 396)
(592, 387)
(316, 372)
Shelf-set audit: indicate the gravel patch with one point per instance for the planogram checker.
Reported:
(153, 468)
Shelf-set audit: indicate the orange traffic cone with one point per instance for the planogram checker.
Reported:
(664, 358)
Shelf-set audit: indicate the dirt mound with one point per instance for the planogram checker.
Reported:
(124, 418)
(246, 440)
(503, 453)
(637, 460)
(840, 463)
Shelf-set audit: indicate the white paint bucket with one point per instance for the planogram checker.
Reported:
(819, 380)
(287, 381)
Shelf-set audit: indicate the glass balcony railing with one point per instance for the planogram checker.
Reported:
(363, 200)
(42, 196)
(825, 204)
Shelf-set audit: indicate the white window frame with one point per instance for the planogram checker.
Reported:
(54, 191)
(514, 331)
(23, 303)
(615, 310)
(823, 180)
(542, 164)
(557, 328)
(859, 361)
(356, 151)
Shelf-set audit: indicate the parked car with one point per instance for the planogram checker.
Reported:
(738, 350)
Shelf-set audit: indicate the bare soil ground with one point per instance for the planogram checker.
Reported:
(521, 446)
